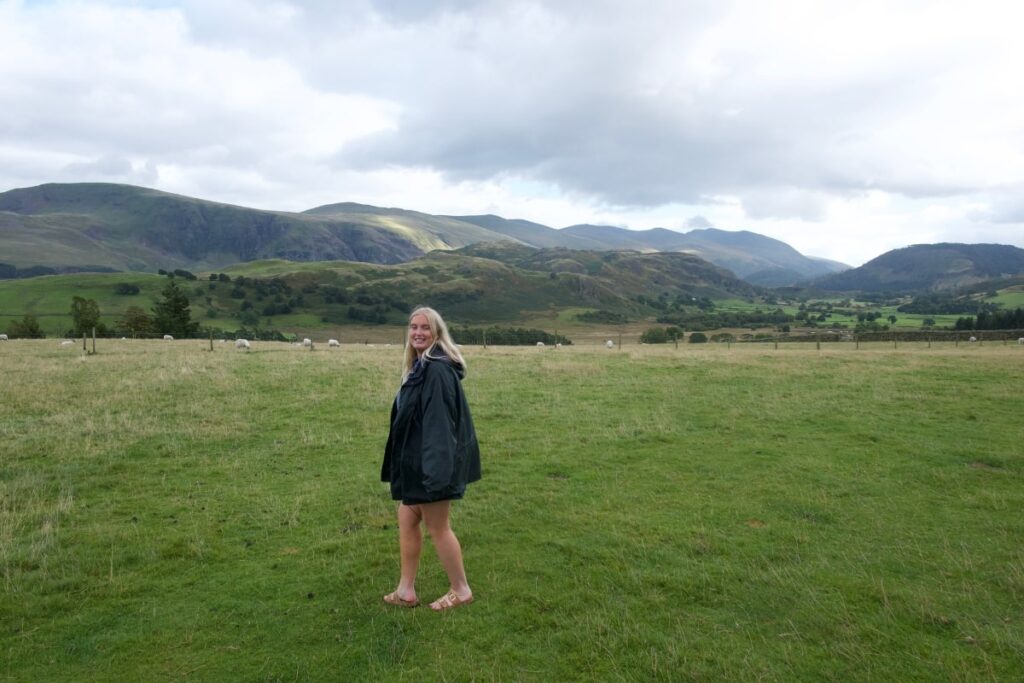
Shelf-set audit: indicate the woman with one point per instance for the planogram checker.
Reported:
(430, 456)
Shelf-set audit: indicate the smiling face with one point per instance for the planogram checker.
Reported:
(420, 335)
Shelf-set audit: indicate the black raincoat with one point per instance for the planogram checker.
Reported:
(432, 451)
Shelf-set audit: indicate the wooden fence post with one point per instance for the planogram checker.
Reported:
(620, 341)
(211, 339)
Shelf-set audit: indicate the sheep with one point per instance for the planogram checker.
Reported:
(333, 342)
(243, 344)
(1021, 341)
(558, 346)
(609, 344)
(307, 342)
(540, 345)
(3, 337)
(168, 337)
(973, 339)
(67, 342)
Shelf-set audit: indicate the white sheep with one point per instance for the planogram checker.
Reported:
(67, 342)
(307, 342)
(973, 339)
(333, 342)
(540, 345)
(243, 344)
(168, 337)
(558, 346)
(3, 337)
(1021, 341)
(609, 344)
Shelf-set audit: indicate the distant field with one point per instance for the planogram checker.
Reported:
(701, 513)
(1012, 297)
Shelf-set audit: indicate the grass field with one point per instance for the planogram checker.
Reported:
(706, 513)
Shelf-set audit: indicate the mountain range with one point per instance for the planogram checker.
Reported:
(944, 266)
(100, 226)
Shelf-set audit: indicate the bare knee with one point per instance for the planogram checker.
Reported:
(437, 527)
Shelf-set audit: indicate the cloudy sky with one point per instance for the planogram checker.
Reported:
(843, 128)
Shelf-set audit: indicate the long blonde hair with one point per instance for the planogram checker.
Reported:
(442, 341)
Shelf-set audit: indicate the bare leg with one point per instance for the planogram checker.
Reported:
(435, 516)
(410, 543)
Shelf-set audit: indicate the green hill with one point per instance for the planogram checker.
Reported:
(133, 228)
(925, 267)
(502, 282)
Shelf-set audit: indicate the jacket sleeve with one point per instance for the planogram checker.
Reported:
(439, 406)
(385, 468)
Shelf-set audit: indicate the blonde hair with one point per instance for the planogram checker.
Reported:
(442, 341)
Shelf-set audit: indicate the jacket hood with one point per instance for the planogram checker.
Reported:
(433, 355)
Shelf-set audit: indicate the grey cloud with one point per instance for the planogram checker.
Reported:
(596, 112)
(784, 203)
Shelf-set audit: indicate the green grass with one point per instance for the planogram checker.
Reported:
(649, 514)
(49, 297)
(1011, 297)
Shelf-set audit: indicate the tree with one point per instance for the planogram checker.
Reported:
(171, 314)
(126, 289)
(136, 321)
(26, 328)
(654, 335)
(85, 315)
(698, 338)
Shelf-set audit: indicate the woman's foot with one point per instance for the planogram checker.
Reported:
(451, 600)
(408, 600)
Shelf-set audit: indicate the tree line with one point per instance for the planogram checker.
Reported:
(506, 336)
(992, 320)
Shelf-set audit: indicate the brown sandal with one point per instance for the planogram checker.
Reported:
(393, 599)
(449, 600)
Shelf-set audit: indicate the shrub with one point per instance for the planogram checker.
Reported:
(698, 338)
(654, 335)
(26, 328)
